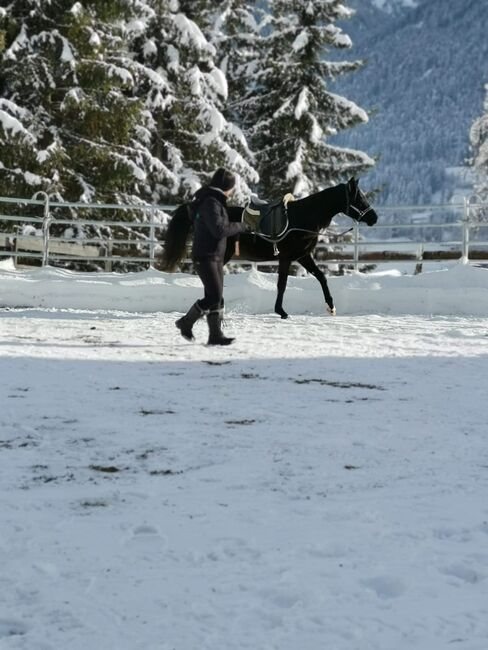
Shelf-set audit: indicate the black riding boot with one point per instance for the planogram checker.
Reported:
(186, 322)
(216, 336)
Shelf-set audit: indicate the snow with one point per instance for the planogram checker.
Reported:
(33, 179)
(13, 108)
(21, 41)
(319, 484)
(342, 40)
(302, 103)
(77, 9)
(67, 52)
(190, 34)
(51, 150)
(300, 41)
(347, 106)
(121, 73)
(10, 123)
(219, 82)
(95, 40)
(150, 48)
(442, 292)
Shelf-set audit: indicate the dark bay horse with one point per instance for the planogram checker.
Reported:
(307, 217)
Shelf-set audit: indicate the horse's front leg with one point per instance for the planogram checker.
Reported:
(309, 265)
(283, 268)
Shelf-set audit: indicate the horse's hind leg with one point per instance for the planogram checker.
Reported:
(309, 265)
(284, 267)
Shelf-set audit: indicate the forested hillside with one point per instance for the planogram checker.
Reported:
(426, 68)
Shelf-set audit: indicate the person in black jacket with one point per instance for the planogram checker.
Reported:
(211, 229)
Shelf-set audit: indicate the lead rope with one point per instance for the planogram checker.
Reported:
(341, 234)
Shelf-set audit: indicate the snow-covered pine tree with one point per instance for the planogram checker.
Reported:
(234, 28)
(479, 143)
(68, 123)
(292, 114)
(186, 94)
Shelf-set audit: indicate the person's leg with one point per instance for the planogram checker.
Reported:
(216, 311)
(209, 272)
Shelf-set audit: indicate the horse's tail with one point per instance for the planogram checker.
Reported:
(176, 236)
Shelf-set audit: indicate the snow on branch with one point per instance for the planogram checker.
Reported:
(120, 73)
(351, 158)
(218, 81)
(302, 103)
(27, 177)
(20, 43)
(300, 41)
(350, 107)
(191, 35)
(13, 108)
(12, 125)
(337, 37)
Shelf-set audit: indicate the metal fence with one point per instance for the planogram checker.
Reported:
(47, 248)
(457, 231)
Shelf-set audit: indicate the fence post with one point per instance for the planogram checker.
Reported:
(465, 251)
(420, 259)
(46, 223)
(152, 238)
(356, 247)
(108, 259)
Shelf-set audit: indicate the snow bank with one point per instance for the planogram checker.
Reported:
(460, 290)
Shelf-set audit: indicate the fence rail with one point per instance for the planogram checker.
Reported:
(464, 239)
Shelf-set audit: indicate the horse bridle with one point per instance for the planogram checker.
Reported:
(361, 213)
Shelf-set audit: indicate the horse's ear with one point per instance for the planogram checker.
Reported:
(352, 184)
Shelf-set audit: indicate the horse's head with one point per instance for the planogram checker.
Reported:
(358, 207)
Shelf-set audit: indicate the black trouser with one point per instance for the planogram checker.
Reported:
(211, 272)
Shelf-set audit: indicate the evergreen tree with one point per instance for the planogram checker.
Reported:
(186, 94)
(479, 142)
(68, 122)
(290, 114)
(234, 28)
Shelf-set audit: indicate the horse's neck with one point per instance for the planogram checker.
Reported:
(317, 210)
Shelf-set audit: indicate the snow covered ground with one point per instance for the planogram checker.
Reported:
(458, 290)
(321, 484)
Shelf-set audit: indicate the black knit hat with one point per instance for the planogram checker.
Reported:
(223, 179)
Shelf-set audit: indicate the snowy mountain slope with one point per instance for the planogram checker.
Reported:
(426, 67)
(391, 6)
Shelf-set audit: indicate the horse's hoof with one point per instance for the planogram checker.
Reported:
(332, 311)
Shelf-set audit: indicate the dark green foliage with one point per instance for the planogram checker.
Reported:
(66, 81)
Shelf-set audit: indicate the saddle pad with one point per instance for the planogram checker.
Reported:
(269, 220)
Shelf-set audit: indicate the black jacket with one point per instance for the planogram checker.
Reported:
(211, 224)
